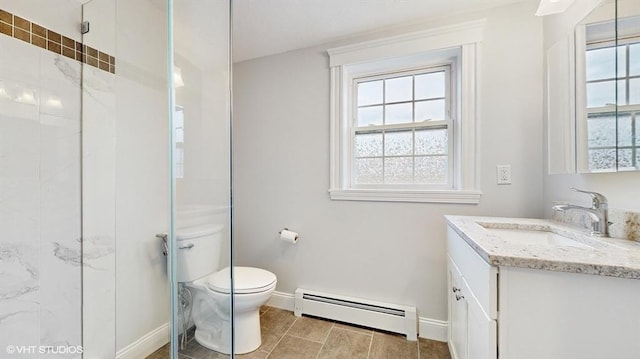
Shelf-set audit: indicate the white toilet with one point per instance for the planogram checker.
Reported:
(198, 257)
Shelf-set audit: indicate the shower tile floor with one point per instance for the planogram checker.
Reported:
(284, 336)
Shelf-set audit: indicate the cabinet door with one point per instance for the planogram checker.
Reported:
(482, 341)
(458, 317)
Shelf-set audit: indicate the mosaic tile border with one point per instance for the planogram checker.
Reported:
(32, 33)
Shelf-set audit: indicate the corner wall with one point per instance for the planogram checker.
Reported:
(394, 252)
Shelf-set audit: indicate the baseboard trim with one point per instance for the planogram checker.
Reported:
(146, 345)
(433, 329)
(427, 328)
(282, 300)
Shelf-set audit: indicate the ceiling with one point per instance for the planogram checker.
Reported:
(267, 27)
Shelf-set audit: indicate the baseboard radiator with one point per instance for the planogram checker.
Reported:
(394, 318)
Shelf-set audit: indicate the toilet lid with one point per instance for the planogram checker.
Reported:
(246, 280)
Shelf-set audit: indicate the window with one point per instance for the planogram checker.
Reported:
(401, 128)
(178, 121)
(403, 117)
(613, 111)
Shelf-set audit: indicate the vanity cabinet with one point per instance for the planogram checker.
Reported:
(521, 313)
(472, 302)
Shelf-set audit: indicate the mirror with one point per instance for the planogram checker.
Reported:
(608, 88)
(593, 87)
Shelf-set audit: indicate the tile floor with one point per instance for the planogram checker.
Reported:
(285, 336)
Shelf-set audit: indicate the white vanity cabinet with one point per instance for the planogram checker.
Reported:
(472, 302)
(505, 311)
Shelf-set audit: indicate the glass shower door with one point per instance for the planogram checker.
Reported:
(155, 164)
(201, 158)
(126, 177)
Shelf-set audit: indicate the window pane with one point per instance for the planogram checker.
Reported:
(430, 85)
(625, 158)
(622, 92)
(602, 159)
(398, 170)
(600, 94)
(398, 89)
(368, 145)
(634, 91)
(399, 113)
(622, 61)
(431, 170)
(370, 93)
(601, 131)
(178, 161)
(600, 64)
(634, 60)
(398, 143)
(431, 142)
(638, 131)
(370, 116)
(430, 110)
(368, 171)
(624, 130)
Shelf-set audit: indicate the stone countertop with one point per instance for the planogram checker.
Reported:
(612, 257)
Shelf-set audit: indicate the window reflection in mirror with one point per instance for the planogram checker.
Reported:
(608, 79)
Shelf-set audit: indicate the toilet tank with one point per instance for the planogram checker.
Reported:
(190, 215)
(198, 251)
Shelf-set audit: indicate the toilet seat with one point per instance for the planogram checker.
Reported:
(246, 280)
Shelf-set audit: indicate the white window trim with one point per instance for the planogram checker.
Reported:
(343, 60)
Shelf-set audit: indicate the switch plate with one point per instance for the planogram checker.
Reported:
(504, 174)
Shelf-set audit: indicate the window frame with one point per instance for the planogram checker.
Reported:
(448, 67)
(413, 50)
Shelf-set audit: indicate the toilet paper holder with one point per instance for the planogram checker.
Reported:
(289, 236)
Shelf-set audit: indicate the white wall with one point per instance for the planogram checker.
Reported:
(621, 189)
(392, 252)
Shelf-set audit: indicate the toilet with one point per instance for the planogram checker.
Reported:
(199, 250)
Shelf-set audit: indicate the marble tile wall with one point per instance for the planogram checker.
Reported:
(98, 220)
(40, 264)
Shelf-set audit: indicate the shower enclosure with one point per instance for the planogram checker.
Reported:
(114, 134)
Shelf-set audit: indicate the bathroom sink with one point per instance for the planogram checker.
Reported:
(528, 236)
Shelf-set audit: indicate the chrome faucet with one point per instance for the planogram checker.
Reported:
(599, 212)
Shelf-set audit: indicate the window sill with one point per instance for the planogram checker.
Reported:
(424, 196)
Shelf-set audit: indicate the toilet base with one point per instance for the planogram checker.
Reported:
(247, 334)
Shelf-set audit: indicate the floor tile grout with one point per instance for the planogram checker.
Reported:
(370, 345)
(369, 334)
(311, 340)
(333, 325)
(283, 335)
